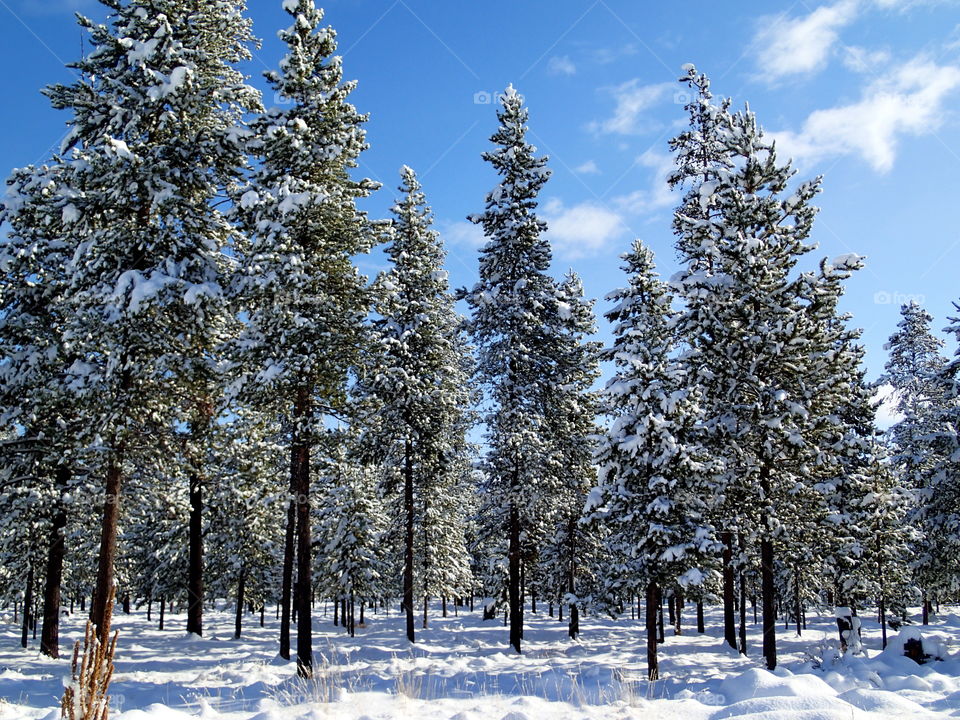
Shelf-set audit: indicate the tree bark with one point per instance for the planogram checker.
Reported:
(678, 612)
(574, 627)
(768, 589)
(108, 544)
(241, 586)
(163, 607)
(195, 561)
(653, 611)
(408, 540)
(50, 634)
(514, 590)
(729, 624)
(27, 608)
(301, 448)
(700, 623)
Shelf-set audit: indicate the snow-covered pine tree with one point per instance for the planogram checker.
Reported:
(153, 143)
(913, 370)
(940, 516)
(417, 378)
(515, 322)
(741, 236)
(568, 553)
(351, 522)
(296, 282)
(652, 487)
(42, 448)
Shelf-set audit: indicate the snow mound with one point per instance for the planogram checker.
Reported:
(882, 702)
(756, 683)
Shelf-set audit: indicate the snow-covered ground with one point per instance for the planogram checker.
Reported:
(461, 669)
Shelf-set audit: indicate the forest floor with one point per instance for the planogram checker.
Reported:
(461, 669)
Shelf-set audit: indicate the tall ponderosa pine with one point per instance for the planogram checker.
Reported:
(740, 236)
(514, 324)
(419, 385)
(151, 147)
(304, 299)
(653, 471)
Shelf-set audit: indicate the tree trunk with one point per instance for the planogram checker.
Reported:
(653, 610)
(301, 449)
(241, 586)
(768, 589)
(574, 628)
(50, 635)
(700, 623)
(660, 634)
(514, 590)
(798, 609)
(883, 621)
(195, 560)
(263, 613)
(27, 608)
(108, 544)
(678, 612)
(163, 606)
(426, 608)
(729, 624)
(408, 540)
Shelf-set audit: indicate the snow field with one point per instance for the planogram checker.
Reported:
(461, 669)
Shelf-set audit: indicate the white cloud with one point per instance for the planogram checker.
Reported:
(588, 168)
(658, 195)
(862, 60)
(561, 66)
(907, 101)
(885, 401)
(791, 46)
(580, 230)
(462, 233)
(633, 100)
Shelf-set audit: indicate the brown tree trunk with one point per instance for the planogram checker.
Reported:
(27, 608)
(241, 586)
(653, 611)
(514, 589)
(408, 508)
(574, 627)
(195, 560)
(108, 544)
(301, 447)
(50, 634)
(678, 612)
(768, 589)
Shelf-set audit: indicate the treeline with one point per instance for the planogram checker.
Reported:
(203, 397)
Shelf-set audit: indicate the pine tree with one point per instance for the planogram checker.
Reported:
(741, 235)
(914, 370)
(568, 551)
(653, 472)
(418, 380)
(940, 496)
(515, 324)
(297, 284)
(152, 145)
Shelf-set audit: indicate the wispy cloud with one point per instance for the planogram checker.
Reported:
(657, 195)
(632, 100)
(791, 46)
(581, 230)
(588, 168)
(862, 60)
(561, 65)
(907, 101)
(462, 234)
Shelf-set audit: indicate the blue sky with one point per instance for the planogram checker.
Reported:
(865, 92)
